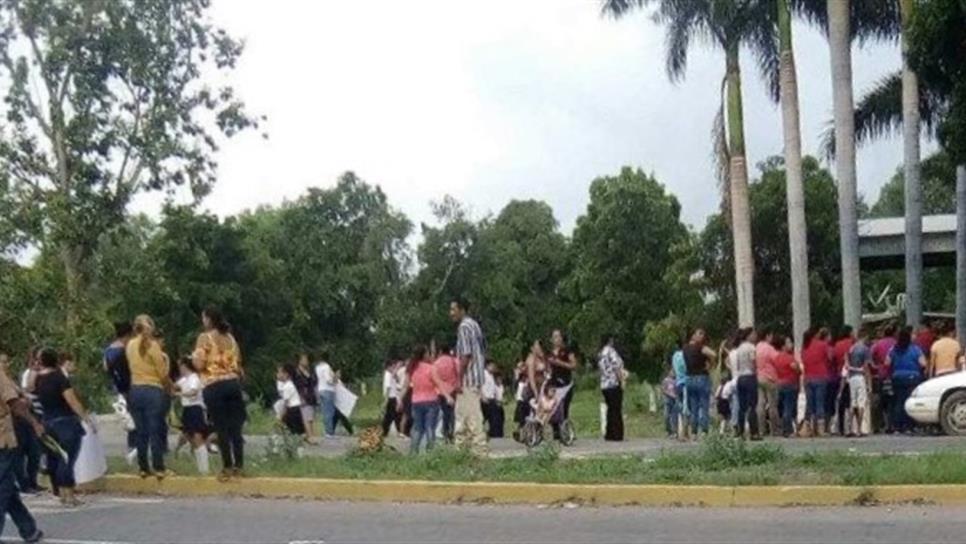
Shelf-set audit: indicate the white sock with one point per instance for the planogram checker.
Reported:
(201, 459)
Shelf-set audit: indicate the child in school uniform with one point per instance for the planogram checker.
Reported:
(194, 422)
(291, 401)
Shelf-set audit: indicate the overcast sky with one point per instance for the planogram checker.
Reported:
(491, 101)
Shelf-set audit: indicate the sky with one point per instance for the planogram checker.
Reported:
(494, 101)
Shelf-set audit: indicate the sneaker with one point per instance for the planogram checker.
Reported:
(37, 537)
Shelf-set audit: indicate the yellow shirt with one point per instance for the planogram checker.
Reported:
(219, 356)
(148, 369)
(8, 392)
(944, 355)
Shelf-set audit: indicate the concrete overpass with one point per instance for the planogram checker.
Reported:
(882, 242)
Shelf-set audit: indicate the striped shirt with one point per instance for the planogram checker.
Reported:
(470, 343)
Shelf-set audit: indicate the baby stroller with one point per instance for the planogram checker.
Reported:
(538, 420)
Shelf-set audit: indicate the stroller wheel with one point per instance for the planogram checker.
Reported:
(532, 434)
(567, 433)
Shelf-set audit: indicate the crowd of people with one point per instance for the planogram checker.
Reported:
(853, 383)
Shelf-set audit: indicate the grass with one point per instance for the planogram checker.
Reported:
(584, 412)
(720, 461)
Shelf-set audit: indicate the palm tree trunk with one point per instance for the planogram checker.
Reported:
(738, 187)
(794, 185)
(840, 48)
(961, 253)
(913, 187)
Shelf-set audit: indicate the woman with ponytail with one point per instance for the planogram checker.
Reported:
(218, 361)
(150, 382)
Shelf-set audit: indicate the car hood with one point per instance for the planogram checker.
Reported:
(937, 386)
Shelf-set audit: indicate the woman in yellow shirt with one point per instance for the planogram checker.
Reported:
(149, 382)
(218, 362)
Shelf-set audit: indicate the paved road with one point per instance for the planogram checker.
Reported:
(155, 521)
(115, 444)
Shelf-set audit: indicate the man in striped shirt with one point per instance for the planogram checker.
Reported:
(471, 352)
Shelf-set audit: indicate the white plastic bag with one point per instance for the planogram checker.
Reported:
(91, 462)
(345, 400)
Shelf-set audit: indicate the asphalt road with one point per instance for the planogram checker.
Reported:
(108, 520)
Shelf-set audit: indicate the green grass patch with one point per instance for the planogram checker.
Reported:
(720, 461)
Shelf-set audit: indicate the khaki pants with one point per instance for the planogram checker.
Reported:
(768, 420)
(469, 420)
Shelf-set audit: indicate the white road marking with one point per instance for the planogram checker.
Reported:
(71, 541)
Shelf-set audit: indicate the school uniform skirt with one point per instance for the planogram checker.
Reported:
(193, 420)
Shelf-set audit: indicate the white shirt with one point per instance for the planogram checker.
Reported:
(326, 377)
(390, 385)
(521, 390)
(288, 394)
(489, 391)
(190, 387)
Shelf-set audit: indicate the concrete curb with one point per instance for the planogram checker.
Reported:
(527, 493)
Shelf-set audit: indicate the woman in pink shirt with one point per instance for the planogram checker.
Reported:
(447, 367)
(427, 387)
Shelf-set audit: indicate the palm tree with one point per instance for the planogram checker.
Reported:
(840, 48)
(794, 186)
(727, 25)
(961, 252)
(913, 184)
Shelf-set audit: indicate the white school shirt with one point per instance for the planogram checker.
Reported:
(521, 390)
(489, 390)
(390, 385)
(288, 393)
(190, 387)
(326, 377)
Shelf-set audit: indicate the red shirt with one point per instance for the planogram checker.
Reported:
(925, 340)
(424, 389)
(784, 364)
(815, 359)
(449, 372)
(880, 351)
(840, 352)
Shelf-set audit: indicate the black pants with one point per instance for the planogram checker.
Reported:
(844, 408)
(881, 415)
(747, 405)
(27, 462)
(494, 416)
(389, 417)
(10, 502)
(448, 413)
(68, 433)
(340, 418)
(614, 398)
(831, 396)
(226, 409)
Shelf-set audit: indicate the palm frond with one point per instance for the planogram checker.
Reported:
(878, 113)
(872, 20)
(763, 41)
(620, 8)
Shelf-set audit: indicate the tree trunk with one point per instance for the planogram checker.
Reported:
(840, 48)
(961, 253)
(72, 278)
(794, 184)
(738, 187)
(913, 187)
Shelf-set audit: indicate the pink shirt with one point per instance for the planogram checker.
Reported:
(449, 371)
(880, 351)
(424, 389)
(765, 361)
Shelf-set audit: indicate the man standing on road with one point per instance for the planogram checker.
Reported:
(10, 502)
(471, 352)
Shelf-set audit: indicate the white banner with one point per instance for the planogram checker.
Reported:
(91, 462)
(345, 400)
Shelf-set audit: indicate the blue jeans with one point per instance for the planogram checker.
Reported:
(147, 409)
(682, 392)
(671, 415)
(699, 402)
(27, 465)
(787, 406)
(425, 416)
(815, 399)
(448, 413)
(747, 405)
(10, 502)
(327, 404)
(68, 432)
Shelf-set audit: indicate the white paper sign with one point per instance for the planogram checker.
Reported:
(91, 462)
(345, 400)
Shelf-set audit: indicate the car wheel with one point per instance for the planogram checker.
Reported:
(952, 414)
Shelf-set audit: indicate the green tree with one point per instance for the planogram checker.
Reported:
(727, 25)
(104, 100)
(623, 249)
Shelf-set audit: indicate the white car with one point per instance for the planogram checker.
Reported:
(941, 400)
